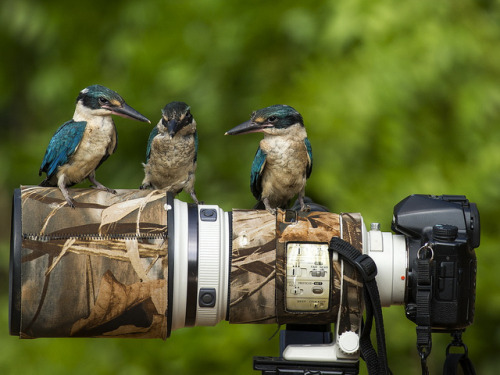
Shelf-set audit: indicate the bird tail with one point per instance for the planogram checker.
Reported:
(312, 205)
(46, 183)
(259, 206)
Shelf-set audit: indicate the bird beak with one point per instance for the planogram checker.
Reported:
(128, 112)
(248, 127)
(172, 127)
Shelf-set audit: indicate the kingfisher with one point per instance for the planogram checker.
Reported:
(83, 143)
(283, 162)
(172, 152)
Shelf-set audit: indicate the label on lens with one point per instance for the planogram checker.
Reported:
(307, 276)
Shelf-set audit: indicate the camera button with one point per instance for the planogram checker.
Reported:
(208, 214)
(207, 297)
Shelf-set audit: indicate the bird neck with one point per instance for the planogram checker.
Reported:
(188, 129)
(294, 132)
(286, 143)
(83, 113)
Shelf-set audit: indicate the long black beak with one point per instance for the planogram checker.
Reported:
(248, 127)
(172, 127)
(128, 112)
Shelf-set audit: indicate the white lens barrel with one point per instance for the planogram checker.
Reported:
(180, 270)
(213, 266)
(201, 265)
(389, 253)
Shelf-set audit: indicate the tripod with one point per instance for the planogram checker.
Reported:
(305, 335)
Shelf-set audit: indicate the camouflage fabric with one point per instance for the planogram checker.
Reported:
(258, 267)
(101, 269)
(97, 270)
(317, 227)
(252, 278)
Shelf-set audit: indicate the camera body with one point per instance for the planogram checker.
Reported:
(445, 229)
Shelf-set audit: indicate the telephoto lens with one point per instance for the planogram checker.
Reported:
(142, 264)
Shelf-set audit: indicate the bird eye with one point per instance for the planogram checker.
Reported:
(272, 118)
(103, 100)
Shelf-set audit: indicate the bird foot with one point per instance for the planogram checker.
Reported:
(98, 185)
(192, 193)
(268, 207)
(146, 187)
(70, 202)
(104, 188)
(64, 191)
(271, 210)
(305, 208)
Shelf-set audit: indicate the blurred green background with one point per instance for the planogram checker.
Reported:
(398, 97)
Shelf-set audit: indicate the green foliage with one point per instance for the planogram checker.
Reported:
(397, 97)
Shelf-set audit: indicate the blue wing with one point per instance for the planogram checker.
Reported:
(256, 174)
(62, 145)
(310, 155)
(153, 134)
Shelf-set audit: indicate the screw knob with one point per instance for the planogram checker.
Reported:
(444, 232)
(349, 342)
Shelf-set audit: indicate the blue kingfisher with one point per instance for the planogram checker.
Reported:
(172, 151)
(283, 161)
(83, 143)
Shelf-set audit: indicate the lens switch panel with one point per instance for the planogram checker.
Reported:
(307, 276)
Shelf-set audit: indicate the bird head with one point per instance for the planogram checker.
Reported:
(177, 118)
(101, 101)
(273, 120)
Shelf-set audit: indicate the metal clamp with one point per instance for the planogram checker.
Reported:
(427, 246)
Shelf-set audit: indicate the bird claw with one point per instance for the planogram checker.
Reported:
(192, 193)
(104, 188)
(305, 208)
(69, 201)
(272, 211)
(268, 207)
(146, 187)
